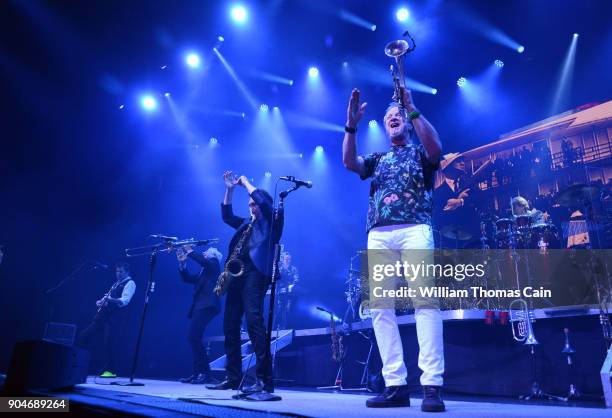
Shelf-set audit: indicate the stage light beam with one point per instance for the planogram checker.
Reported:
(313, 72)
(461, 82)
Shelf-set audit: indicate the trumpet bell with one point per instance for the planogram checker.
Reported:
(396, 48)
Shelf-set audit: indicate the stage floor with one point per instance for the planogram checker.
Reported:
(168, 398)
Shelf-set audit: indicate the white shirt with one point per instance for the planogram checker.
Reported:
(128, 291)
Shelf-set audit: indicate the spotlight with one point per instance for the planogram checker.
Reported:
(213, 141)
(301, 155)
(373, 123)
(345, 64)
(220, 38)
(434, 91)
(373, 28)
(163, 67)
(148, 103)
(461, 82)
(313, 72)
(193, 60)
(268, 174)
(499, 63)
(402, 14)
(520, 49)
(575, 35)
(166, 94)
(263, 108)
(275, 109)
(243, 115)
(239, 14)
(121, 107)
(319, 149)
(291, 82)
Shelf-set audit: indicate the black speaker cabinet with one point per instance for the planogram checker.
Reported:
(46, 365)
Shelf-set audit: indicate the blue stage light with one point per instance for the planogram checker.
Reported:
(239, 13)
(373, 123)
(275, 109)
(520, 49)
(148, 103)
(461, 82)
(263, 107)
(213, 141)
(313, 72)
(434, 91)
(220, 38)
(499, 63)
(319, 149)
(402, 14)
(193, 60)
(575, 35)
(167, 94)
(121, 107)
(373, 28)
(268, 174)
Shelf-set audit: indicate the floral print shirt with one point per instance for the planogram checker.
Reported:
(401, 191)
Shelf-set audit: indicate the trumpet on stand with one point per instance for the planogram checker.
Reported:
(167, 244)
(398, 49)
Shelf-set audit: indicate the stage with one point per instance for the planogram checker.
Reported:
(168, 398)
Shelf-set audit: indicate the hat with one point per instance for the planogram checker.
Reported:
(448, 159)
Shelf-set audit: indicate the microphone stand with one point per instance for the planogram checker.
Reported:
(150, 289)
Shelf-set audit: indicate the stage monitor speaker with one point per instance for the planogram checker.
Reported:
(42, 364)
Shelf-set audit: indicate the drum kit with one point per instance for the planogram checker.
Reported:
(520, 232)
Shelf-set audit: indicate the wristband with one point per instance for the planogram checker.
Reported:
(350, 130)
(413, 115)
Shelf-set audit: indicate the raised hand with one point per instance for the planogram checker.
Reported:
(355, 111)
(229, 179)
(407, 99)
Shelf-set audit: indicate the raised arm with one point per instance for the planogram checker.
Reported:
(227, 212)
(424, 130)
(354, 113)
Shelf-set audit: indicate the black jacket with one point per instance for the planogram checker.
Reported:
(262, 240)
(204, 282)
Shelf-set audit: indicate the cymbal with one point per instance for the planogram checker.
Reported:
(455, 232)
(577, 195)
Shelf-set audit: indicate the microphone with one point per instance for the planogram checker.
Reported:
(297, 182)
(98, 265)
(163, 237)
(324, 310)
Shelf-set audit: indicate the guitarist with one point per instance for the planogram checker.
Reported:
(103, 324)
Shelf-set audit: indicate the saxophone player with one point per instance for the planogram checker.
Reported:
(251, 248)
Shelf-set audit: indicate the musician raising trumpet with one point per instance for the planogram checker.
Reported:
(399, 219)
(246, 293)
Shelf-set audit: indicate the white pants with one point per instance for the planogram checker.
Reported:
(428, 321)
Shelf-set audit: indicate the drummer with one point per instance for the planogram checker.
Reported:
(520, 207)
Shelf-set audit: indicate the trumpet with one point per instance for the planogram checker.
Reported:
(167, 246)
(522, 316)
(398, 50)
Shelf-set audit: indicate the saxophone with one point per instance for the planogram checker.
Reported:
(234, 267)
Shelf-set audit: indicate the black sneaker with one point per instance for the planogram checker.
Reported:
(187, 379)
(393, 396)
(432, 399)
(225, 385)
